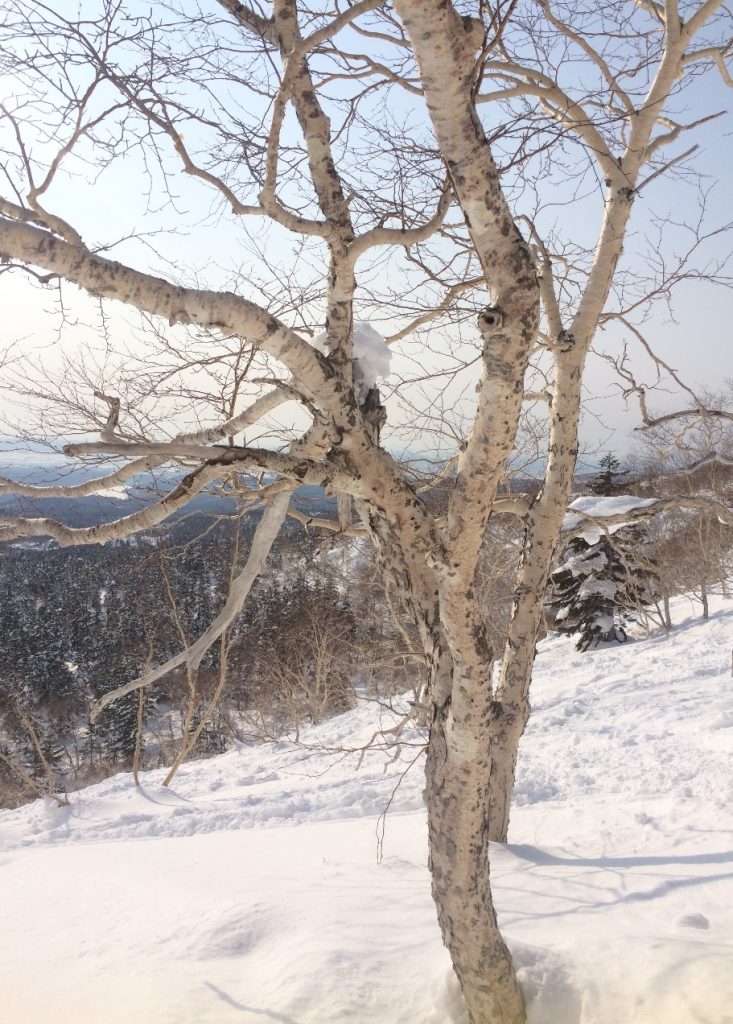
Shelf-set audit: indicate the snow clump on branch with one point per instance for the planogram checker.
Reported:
(372, 357)
(590, 505)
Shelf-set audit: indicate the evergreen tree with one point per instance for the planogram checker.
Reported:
(116, 730)
(212, 738)
(604, 484)
(597, 588)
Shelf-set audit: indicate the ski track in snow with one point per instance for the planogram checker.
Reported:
(615, 892)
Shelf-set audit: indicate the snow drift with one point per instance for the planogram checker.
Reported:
(253, 890)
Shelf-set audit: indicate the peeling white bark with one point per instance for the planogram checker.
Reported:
(464, 719)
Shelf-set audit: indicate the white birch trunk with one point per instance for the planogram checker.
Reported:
(458, 774)
(543, 532)
(465, 717)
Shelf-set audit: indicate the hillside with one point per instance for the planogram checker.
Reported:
(255, 890)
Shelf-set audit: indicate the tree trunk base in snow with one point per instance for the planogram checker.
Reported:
(457, 796)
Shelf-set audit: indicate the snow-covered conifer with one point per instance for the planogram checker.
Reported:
(598, 587)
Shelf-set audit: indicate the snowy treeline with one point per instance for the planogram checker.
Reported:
(84, 621)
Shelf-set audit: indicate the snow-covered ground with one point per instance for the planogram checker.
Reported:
(252, 891)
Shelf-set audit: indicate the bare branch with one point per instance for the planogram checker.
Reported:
(265, 534)
(212, 310)
(582, 43)
(699, 413)
(404, 236)
(220, 458)
(229, 428)
(332, 525)
(126, 526)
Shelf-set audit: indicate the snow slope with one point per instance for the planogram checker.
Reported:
(252, 891)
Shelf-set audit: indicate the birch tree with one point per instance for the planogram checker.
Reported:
(394, 147)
